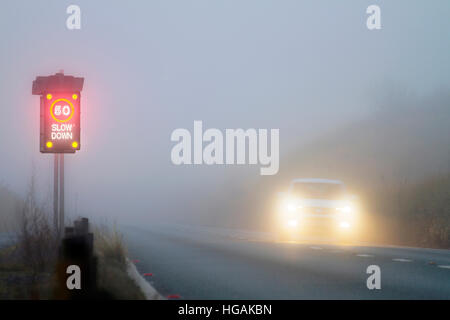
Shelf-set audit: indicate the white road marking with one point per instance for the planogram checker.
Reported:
(444, 267)
(316, 248)
(364, 255)
(401, 260)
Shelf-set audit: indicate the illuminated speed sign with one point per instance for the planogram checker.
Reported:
(60, 123)
(60, 112)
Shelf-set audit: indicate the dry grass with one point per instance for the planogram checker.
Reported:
(112, 264)
(26, 267)
(109, 245)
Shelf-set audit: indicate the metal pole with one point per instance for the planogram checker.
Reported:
(61, 192)
(55, 193)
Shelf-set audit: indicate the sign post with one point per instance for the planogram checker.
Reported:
(60, 111)
(55, 192)
(61, 193)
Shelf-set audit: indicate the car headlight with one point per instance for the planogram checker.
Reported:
(291, 207)
(292, 223)
(344, 224)
(345, 209)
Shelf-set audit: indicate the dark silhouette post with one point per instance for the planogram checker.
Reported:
(55, 194)
(61, 191)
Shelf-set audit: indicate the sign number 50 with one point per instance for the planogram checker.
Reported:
(64, 110)
(61, 110)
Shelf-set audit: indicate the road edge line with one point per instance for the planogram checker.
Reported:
(149, 292)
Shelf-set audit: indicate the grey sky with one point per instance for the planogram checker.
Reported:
(304, 67)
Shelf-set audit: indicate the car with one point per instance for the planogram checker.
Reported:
(317, 207)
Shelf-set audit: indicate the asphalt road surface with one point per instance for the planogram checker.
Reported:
(208, 263)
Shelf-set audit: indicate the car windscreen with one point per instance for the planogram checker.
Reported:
(311, 190)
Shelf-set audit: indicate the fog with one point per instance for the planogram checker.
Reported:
(307, 68)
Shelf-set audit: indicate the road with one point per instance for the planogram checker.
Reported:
(209, 263)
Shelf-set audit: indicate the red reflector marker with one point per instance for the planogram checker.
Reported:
(173, 296)
(148, 274)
